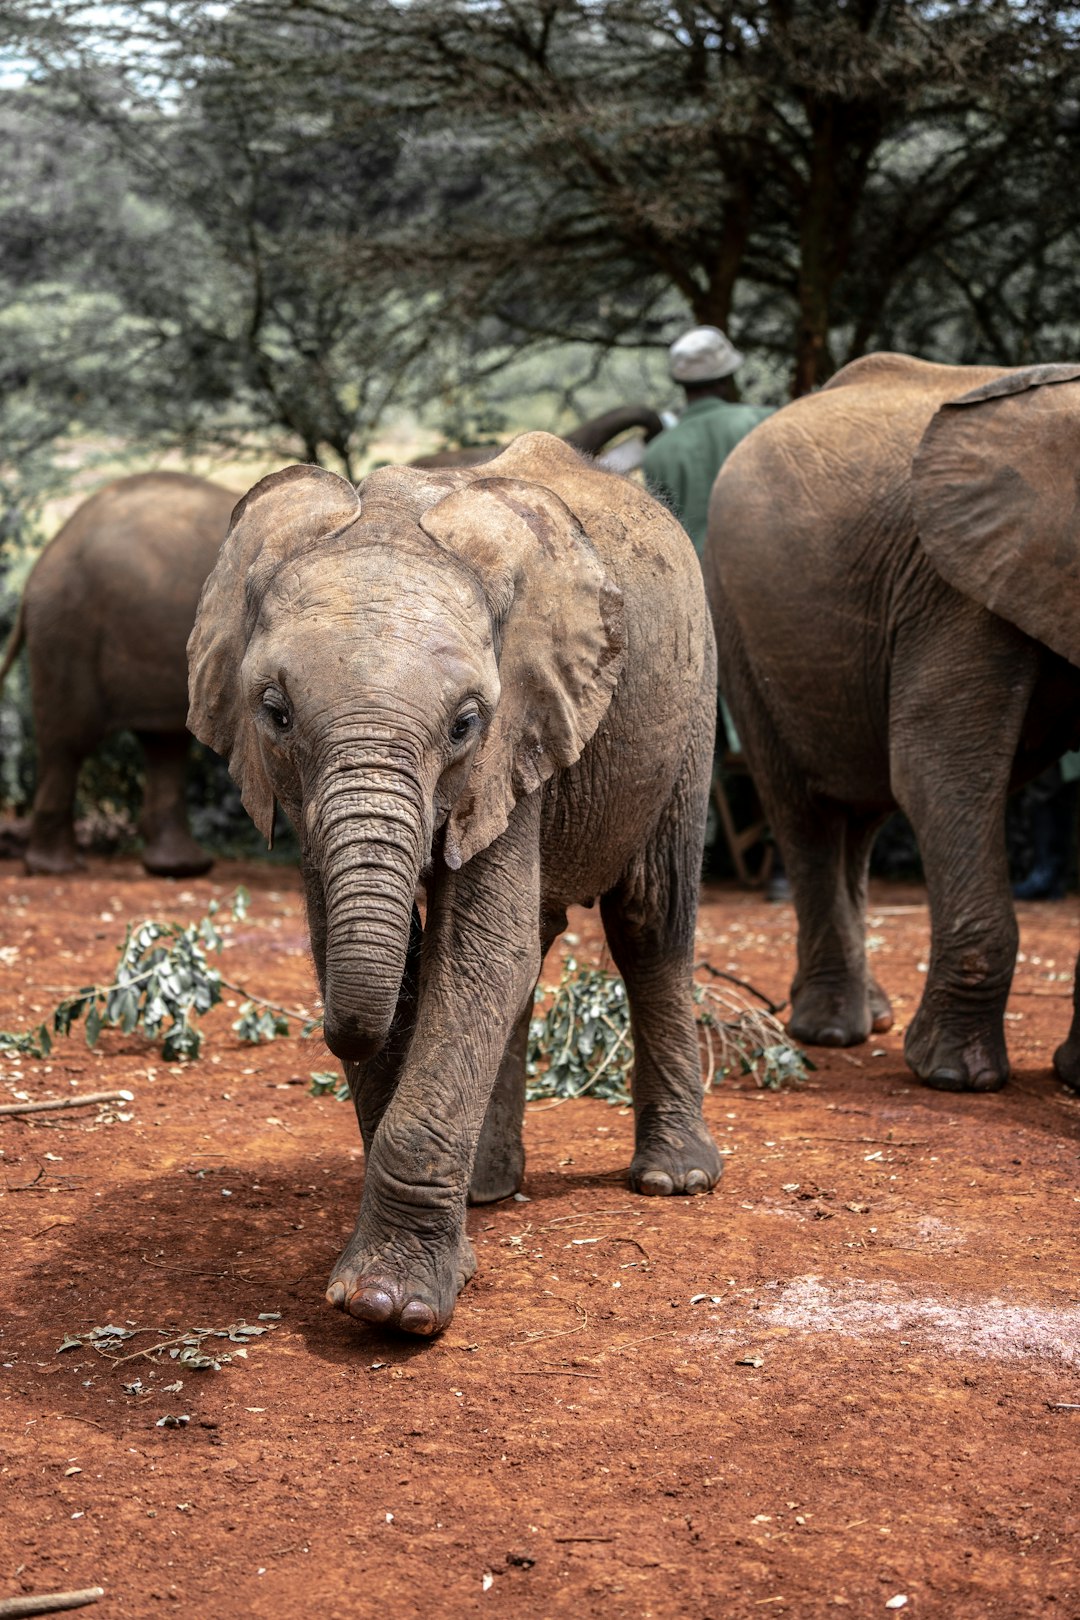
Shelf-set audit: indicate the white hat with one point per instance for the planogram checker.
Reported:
(703, 355)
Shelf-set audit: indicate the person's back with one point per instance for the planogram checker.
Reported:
(681, 464)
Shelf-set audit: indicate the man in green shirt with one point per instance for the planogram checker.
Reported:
(681, 463)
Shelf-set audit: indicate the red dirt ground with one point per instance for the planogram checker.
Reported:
(877, 1398)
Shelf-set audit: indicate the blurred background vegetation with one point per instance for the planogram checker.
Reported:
(242, 233)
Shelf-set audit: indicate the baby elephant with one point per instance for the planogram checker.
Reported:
(497, 683)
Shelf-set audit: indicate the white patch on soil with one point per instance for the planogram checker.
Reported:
(988, 1327)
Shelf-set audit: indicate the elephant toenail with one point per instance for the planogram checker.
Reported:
(418, 1318)
(833, 1036)
(371, 1305)
(696, 1182)
(947, 1080)
(335, 1294)
(657, 1184)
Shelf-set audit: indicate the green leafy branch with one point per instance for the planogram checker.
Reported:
(164, 983)
(580, 1043)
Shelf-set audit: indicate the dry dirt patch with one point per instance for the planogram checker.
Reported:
(873, 1395)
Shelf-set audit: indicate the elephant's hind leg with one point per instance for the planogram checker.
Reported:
(168, 847)
(834, 999)
(500, 1153)
(52, 849)
(499, 1165)
(1067, 1056)
(649, 919)
(952, 753)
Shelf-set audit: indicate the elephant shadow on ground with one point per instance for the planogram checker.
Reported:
(206, 1247)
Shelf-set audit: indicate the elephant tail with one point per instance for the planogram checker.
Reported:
(15, 641)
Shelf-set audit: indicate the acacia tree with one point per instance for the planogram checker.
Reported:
(370, 193)
(810, 156)
(242, 249)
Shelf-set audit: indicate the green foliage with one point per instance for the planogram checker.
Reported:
(35, 1043)
(164, 983)
(581, 1044)
(259, 1022)
(328, 1083)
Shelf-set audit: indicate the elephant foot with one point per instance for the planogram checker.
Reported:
(498, 1172)
(1067, 1063)
(14, 838)
(673, 1156)
(177, 856)
(400, 1284)
(53, 862)
(821, 1016)
(954, 1060)
(881, 1018)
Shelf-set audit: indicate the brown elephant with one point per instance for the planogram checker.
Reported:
(590, 436)
(105, 616)
(893, 566)
(497, 683)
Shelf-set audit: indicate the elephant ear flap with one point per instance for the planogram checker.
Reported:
(996, 492)
(560, 642)
(278, 519)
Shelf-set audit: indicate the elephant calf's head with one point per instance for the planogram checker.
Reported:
(390, 671)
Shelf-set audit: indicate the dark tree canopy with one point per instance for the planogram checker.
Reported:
(301, 212)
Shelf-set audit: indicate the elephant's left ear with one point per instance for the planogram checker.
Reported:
(558, 621)
(996, 492)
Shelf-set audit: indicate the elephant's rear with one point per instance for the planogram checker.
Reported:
(810, 549)
(117, 590)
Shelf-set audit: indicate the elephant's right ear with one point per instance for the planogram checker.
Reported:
(281, 517)
(996, 492)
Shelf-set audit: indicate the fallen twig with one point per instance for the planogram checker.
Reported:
(563, 1539)
(1064, 1406)
(744, 984)
(50, 1602)
(86, 1100)
(551, 1372)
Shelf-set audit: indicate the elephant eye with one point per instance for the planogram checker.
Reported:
(278, 710)
(464, 726)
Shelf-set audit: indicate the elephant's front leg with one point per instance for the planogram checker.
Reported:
(409, 1256)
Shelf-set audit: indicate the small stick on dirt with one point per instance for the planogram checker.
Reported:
(87, 1100)
(1064, 1406)
(50, 1602)
(559, 1333)
(859, 1141)
(632, 1344)
(551, 1372)
(24, 1186)
(563, 1539)
(744, 984)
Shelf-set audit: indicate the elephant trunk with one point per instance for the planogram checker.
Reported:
(368, 836)
(592, 436)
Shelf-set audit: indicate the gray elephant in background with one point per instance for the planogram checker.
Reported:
(105, 618)
(893, 566)
(498, 683)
